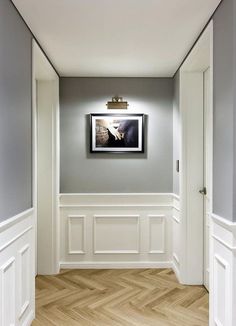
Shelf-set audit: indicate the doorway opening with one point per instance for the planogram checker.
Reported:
(196, 120)
(46, 162)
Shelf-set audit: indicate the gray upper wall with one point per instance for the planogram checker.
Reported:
(15, 113)
(224, 109)
(82, 172)
(176, 134)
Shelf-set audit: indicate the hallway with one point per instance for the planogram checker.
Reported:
(136, 297)
(117, 163)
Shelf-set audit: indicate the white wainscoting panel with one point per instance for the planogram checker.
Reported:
(116, 230)
(176, 231)
(223, 272)
(157, 234)
(76, 234)
(24, 277)
(17, 284)
(8, 290)
(116, 234)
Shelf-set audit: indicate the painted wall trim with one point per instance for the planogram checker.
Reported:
(222, 271)
(17, 270)
(231, 226)
(120, 194)
(114, 265)
(126, 231)
(15, 219)
(176, 196)
(15, 238)
(114, 205)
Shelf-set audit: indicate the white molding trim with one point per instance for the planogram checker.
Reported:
(96, 252)
(220, 261)
(115, 265)
(29, 319)
(114, 200)
(15, 238)
(176, 208)
(224, 243)
(6, 265)
(125, 246)
(223, 250)
(175, 196)
(115, 206)
(176, 258)
(16, 219)
(163, 218)
(17, 251)
(3, 269)
(24, 305)
(176, 219)
(120, 194)
(77, 252)
(176, 265)
(231, 226)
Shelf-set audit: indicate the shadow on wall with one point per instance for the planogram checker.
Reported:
(118, 155)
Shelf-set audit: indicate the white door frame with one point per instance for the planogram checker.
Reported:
(191, 156)
(43, 71)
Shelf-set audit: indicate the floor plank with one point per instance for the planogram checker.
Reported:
(138, 297)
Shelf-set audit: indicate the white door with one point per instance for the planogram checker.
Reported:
(207, 173)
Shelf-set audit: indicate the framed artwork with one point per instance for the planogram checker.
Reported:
(117, 133)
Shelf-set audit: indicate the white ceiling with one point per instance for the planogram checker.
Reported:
(116, 38)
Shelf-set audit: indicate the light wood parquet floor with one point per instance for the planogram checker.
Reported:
(119, 298)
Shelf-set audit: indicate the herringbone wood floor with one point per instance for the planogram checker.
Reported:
(119, 297)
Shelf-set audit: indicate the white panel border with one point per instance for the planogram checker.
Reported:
(220, 261)
(77, 252)
(7, 265)
(163, 218)
(95, 251)
(24, 305)
(222, 251)
(15, 238)
(17, 235)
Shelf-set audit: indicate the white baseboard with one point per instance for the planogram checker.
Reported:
(115, 265)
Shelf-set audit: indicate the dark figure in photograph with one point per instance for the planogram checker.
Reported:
(129, 130)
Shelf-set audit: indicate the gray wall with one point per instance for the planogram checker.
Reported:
(85, 172)
(176, 134)
(15, 113)
(224, 109)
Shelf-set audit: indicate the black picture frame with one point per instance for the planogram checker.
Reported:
(117, 133)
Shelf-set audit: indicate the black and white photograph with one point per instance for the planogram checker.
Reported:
(117, 133)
